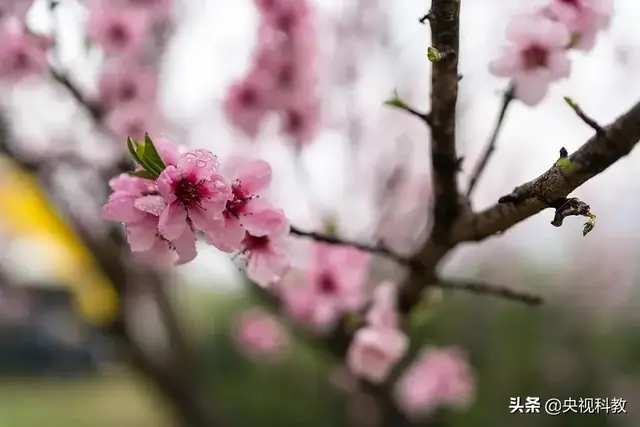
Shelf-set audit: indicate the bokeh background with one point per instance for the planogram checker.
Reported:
(57, 369)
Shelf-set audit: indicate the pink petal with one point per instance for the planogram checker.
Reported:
(121, 208)
(198, 164)
(260, 218)
(185, 247)
(254, 176)
(173, 221)
(531, 89)
(142, 236)
(166, 181)
(151, 204)
(226, 235)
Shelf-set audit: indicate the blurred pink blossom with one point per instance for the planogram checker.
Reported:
(438, 377)
(116, 29)
(283, 76)
(266, 256)
(383, 311)
(21, 53)
(157, 10)
(259, 334)
(334, 285)
(583, 18)
(121, 83)
(535, 57)
(375, 351)
(132, 119)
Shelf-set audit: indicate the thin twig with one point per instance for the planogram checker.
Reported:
(491, 146)
(600, 131)
(378, 249)
(491, 290)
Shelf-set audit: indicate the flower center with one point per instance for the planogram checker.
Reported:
(118, 34)
(235, 206)
(248, 97)
(254, 243)
(574, 3)
(20, 60)
(327, 285)
(189, 193)
(535, 57)
(127, 91)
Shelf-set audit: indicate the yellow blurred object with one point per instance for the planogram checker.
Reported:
(26, 212)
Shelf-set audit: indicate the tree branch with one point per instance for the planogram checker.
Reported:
(445, 28)
(490, 290)
(378, 249)
(491, 146)
(596, 155)
(588, 120)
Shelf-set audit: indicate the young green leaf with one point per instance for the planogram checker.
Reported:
(133, 150)
(151, 157)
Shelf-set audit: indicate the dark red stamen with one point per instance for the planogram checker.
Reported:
(189, 193)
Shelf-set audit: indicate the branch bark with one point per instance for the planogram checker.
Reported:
(595, 156)
(445, 29)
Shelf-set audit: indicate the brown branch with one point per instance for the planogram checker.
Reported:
(480, 288)
(445, 29)
(491, 146)
(588, 120)
(596, 155)
(378, 249)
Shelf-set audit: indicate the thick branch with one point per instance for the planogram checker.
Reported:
(596, 155)
(378, 249)
(445, 27)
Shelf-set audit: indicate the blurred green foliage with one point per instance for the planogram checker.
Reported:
(551, 351)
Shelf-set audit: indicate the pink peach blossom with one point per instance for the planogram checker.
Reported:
(245, 104)
(145, 240)
(259, 334)
(122, 83)
(300, 123)
(536, 56)
(132, 119)
(266, 256)
(158, 10)
(583, 18)
(137, 203)
(383, 311)
(283, 77)
(116, 29)
(21, 53)
(195, 194)
(334, 284)
(126, 190)
(246, 210)
(375, 351)
(438, 377)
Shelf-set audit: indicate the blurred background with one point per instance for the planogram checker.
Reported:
(59, 367)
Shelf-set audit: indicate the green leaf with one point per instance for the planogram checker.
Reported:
(433, 55)
(145, 174)
(571, 104)
(151, 157)
(133, 150)
(395, 101)
(589, 225)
